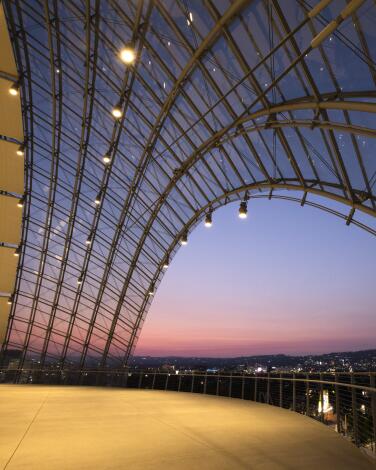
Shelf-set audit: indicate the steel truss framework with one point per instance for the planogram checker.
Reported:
(225, 101)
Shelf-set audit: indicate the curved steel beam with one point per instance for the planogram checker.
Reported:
(303, 123)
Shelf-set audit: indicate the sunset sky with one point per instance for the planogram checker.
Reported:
(286, 280)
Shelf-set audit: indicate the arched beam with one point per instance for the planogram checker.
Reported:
(366, 131)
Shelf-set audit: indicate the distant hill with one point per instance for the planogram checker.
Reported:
(272, 360)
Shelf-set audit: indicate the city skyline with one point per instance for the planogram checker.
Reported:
(331, 283)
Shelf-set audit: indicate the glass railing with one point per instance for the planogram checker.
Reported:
(344, 401)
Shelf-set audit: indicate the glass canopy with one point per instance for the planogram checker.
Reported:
(224, 100)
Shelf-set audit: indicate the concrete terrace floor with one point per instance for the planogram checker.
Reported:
(51, 427)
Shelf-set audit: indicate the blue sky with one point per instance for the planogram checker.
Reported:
(285, 280)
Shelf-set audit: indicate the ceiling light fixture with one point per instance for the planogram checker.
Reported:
(98, 199)
(21, 150)
(14, 89)
(184, 239)
(107, 158)
(17, 251)
(116, 111)
(208, 219)
(166, 262)
(128, 55)
(243, 210)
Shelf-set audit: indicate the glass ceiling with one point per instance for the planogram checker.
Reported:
(225, 101)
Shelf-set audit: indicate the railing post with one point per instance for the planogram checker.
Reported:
(268, 389)
(166, 384)
(243, 381)
(205, 382)
(153, 383)
(293, 392)
(307, 395)
(230, 386)
(322, 398)
(373, 410)
(126, 379)
(280, 390)
(217, 391)
(193, 383)
(338, 405)
(354, 411)
(179, 386)
(140, 380)
(255, 392)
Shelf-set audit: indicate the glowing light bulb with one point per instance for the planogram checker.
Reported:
(117, 112)
(98, 199)
(14, 89)
(128, 55)
(20, 151)
(107, 158)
